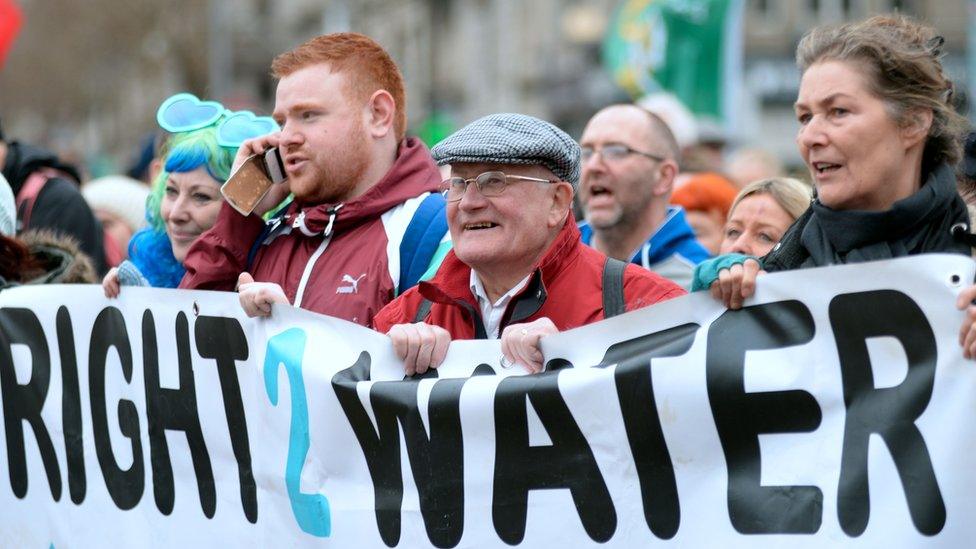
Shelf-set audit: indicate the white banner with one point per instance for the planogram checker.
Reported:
(836, 408)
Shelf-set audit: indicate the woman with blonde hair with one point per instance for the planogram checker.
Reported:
(761, 213)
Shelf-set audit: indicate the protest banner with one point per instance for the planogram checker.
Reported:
(835, 408)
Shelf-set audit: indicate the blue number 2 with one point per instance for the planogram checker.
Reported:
(311, 510)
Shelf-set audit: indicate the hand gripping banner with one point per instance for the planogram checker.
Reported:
(835, 408)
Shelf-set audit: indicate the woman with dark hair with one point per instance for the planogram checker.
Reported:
(880, 139)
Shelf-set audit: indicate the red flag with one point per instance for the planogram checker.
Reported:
(11, 19)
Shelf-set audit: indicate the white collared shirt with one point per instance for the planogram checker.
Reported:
(491, 313)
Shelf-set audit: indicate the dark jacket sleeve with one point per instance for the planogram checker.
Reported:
(219, 256)
(60, 207)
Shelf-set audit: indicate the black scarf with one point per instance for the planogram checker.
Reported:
(918, 224)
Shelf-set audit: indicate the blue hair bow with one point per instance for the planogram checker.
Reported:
(185, 112)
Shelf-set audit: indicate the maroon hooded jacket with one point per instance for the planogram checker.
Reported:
(566, 286)
(340, 260)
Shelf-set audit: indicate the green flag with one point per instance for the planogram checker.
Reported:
(680, 46)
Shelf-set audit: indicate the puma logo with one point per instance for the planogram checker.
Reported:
(353, 287)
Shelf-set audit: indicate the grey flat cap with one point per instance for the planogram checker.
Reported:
(510, 138)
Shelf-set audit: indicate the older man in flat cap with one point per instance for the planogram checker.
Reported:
(518, 270)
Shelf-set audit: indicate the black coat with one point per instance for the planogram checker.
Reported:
(921, 223)
(59, 205)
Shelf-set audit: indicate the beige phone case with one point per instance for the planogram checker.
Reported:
(247, 186)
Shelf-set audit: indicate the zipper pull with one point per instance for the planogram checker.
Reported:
(332, 216)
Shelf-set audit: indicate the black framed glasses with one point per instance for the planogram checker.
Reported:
(489, 184)
(614, 152)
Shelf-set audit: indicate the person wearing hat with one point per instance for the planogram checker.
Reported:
(518, 270)
(706, 198)
(37, 256)
(47, 197)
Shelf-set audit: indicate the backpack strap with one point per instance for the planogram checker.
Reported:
(29, 192)
(423, 310)
(613, 287)
(421, 240)
(274, 223)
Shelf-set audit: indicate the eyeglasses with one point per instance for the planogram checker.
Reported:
(185, 112)
(489, 184)
(615, 152)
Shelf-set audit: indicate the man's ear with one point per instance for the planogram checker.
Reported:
(917, 128)
(380, 112)
(667, 173)
(562, 201)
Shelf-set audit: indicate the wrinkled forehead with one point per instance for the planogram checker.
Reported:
(469, 170)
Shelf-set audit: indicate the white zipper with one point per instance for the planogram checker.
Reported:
(308, 270)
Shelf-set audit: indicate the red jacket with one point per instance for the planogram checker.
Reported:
(566, 286)
(340, 260)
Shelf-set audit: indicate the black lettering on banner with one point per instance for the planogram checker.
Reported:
(222, 339)
(890, 412)
(125, 486)
(24, 402)
(175, 410)
(635, 391)
(436, 459)
(741, 417)
(71, 408)
(567, 463)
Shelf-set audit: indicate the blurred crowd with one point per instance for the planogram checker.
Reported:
(508, 228)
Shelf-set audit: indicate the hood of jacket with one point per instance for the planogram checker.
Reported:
(63, 261)
(674, 235)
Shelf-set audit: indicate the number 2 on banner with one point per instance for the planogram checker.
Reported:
(311, 510)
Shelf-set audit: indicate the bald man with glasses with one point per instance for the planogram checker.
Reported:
(630, 162)
(518, 270)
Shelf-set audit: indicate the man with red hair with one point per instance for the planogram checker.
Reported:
(357, 181)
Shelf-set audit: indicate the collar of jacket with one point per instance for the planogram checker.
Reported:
(451, 286)
(413, 173)
(668, 236)
(662, 243)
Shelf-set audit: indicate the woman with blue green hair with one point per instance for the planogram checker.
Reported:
(185, 201)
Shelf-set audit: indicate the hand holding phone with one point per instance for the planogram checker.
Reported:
(250, 182)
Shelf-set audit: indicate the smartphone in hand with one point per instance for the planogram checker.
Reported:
(249, 183)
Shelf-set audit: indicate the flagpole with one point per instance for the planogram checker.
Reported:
(733, 69)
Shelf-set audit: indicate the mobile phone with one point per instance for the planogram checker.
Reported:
(249, 183)
(274, 166)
